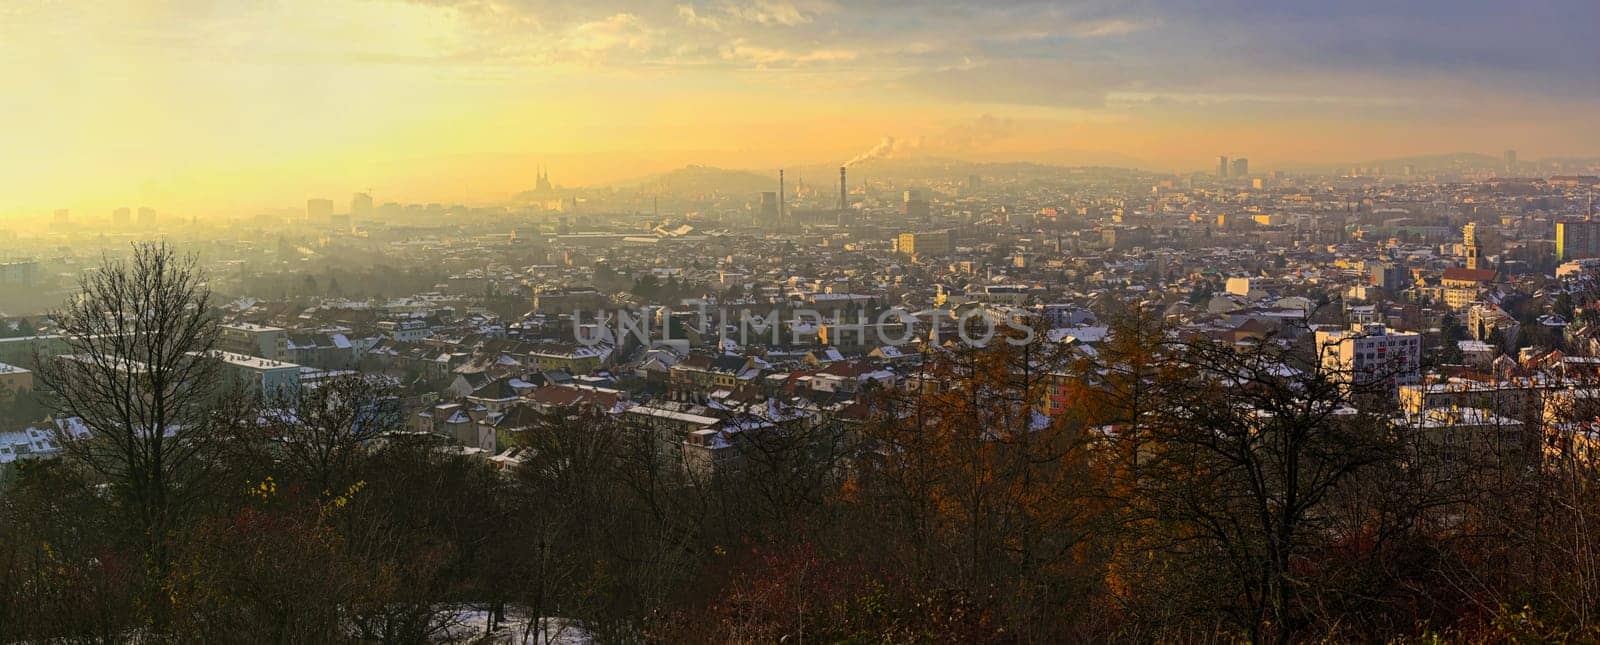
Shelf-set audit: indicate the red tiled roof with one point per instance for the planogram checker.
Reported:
(562, 395)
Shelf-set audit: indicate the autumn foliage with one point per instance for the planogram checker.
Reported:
(1154, 488)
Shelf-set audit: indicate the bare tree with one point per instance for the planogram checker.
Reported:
(139, 376)
(1231, 505)
(321, 430)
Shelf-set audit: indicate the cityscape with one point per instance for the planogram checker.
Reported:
(771, 321)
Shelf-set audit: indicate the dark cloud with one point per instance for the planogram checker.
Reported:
(1546, 46)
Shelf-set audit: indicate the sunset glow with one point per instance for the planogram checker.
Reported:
(220, 107)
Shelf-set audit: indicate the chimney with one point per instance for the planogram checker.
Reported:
(781, 196)
(844, 202)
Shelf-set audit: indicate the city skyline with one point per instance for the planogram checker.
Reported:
(746, 321)
(226, 108)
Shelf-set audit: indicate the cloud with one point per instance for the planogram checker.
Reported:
(618, 31)
(740, 50)
(977, 134)
(1551, 50)
(1018, 82)
(1108, 27)
(692, 18)
(770, 12)
(997, 52)
(723, 14)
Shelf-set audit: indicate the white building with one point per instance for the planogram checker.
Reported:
(261, 374)
(29, 443)
(1476, 352)
(1577, 267)
(255, 340)
(1367, 352)
(405, 331)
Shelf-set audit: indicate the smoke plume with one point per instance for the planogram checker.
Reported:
(888, 148)
(959, 138)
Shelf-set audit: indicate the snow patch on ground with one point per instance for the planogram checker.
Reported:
(471, 624)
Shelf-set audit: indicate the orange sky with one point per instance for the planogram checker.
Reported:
(211, 106)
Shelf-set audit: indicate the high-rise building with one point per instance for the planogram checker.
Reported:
(1511, 161)
(147, 216)
(1240, 168)
(361, 206)
(62, 217)
(121, 216)
(1577, 239)
(1385, 275)
(925, 243)
(19, 272)
(916, 206)
(1222, 166)
(319, 211)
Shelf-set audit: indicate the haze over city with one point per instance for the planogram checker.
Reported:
(223, 108)
(524, 322)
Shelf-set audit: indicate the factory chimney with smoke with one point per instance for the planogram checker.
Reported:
(844, 201)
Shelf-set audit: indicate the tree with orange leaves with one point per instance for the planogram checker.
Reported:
(977, 489)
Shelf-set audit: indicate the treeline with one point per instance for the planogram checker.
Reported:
(1177, 490)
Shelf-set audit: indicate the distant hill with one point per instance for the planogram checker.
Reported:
(1446, 162)
(695, 179)
(686, 181)
(707, 180)
(927, 167)
(690, 180)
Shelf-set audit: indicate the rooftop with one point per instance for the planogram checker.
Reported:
(254, 362)
(252, 327)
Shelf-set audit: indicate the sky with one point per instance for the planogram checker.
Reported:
(234, 106)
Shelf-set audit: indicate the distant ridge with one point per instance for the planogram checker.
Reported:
(695, 179)
(930, 166)
(1442, 162)
(708, 179)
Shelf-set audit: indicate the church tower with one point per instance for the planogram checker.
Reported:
(543, 186)
(1469, 239)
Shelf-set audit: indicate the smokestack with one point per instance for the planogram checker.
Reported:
(844, 202)
(781, 196)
